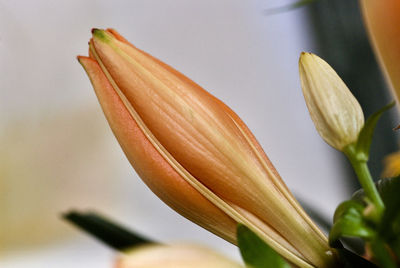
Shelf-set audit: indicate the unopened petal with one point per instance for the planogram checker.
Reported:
(161, 178)
(336, 113)
(210, 148)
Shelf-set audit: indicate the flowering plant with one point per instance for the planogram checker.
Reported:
(200, 158)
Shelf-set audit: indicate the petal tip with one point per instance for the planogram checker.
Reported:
(304, 55)
(101, 35)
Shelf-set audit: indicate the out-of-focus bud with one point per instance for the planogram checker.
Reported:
(391, 165)
(336, 113)
(195, 153)
(382, 19)
(174, 256)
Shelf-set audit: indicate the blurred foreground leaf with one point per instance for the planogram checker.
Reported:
(255, 252)
(105, 230)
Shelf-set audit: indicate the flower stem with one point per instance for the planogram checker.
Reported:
(359, 163)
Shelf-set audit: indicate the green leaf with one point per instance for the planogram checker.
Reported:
(365, 137)
(349, 222)
(105, 230)
(255, 252)
(356, 245)
(285, 8)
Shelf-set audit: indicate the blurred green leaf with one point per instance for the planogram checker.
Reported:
(349, 222)
(343, 208)
(292, 6)
(355, 244)
(302, 3)
(255, 252)
(105, 230)
(365, 137)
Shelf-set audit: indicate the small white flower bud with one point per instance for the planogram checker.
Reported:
(336, 113)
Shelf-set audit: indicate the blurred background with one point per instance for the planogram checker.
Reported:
(58, 153)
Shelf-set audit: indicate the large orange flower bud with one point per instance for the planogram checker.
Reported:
(195, 153)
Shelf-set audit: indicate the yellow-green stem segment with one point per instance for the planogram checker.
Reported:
(359, 163)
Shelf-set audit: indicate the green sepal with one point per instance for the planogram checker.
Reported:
(364, 140)
(105, 230)
(255, 252)
(101, 35)
(349, 222)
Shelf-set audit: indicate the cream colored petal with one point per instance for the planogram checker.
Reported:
(336, 113)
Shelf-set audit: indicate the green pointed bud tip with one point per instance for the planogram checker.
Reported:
(101, 35)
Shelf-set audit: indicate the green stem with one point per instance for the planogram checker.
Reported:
(359, 163)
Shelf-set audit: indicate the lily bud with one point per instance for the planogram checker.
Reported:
(172, 256)
(382, 19)
(336, 113)
(195, 153)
